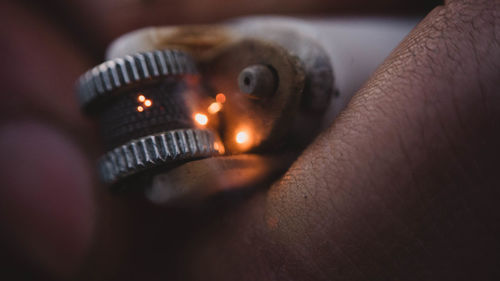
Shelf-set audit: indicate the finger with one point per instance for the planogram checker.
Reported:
(403, 186)
(408, 173)
(46, 197)
(38, 71)
(46, 208)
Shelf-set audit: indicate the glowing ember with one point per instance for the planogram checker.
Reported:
(148, 103)
(214, 107)
(201, 119)
(220, 98)
(140, 108)
(219, 147)
(141, 98)
(242, 137)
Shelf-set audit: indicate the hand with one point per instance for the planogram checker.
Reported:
(404, 185)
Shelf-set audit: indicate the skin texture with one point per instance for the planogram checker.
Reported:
(403, 186)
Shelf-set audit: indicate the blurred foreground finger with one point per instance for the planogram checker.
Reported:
(38, 71)
(46, 208)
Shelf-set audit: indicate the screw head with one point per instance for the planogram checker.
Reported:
(258, 80)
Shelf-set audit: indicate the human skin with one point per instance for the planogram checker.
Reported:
(403, 186)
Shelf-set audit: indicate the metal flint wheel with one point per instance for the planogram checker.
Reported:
(120, 72)
(156, 150)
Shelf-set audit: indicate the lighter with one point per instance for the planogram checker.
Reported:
(191, 110)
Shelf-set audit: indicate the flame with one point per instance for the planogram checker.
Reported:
(201, 119)
(214, 107)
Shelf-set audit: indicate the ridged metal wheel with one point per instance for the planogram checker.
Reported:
(161, 134)
(156, 150)
(131, 69)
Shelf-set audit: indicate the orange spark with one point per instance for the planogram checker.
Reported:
(148, 103)
(140, 108)
(242, 137)
(201, 119)
(219, 147)
(141, 98)
(220, 98)
(214, 107)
